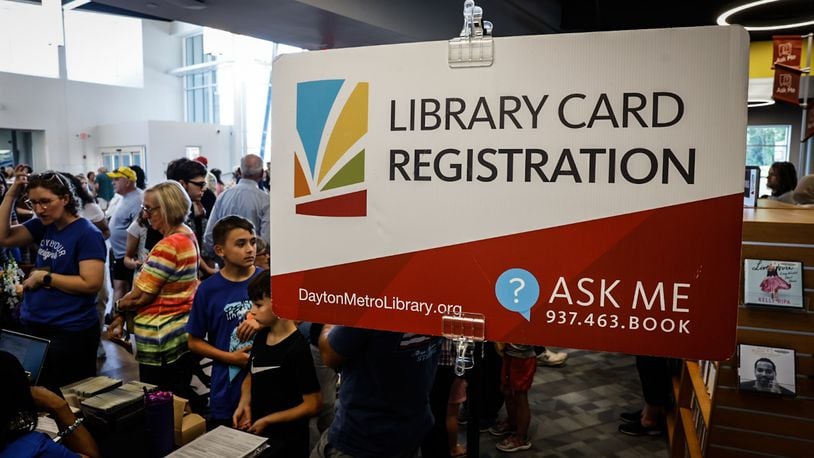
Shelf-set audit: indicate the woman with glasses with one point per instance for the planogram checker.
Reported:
(163, 291)
(59, 300)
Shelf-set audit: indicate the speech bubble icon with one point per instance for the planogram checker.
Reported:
(517, 290)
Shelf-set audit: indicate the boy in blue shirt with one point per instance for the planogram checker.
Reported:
(220, 326)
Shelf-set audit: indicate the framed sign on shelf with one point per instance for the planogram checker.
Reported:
(767, 370)
(773, 283)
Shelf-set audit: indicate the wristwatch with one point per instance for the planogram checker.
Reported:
(46, 280)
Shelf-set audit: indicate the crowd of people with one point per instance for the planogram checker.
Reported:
(187, 260)
(74, 234)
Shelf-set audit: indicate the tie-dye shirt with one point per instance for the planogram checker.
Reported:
(171, 273)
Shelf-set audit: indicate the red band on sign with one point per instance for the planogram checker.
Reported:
(680, 297)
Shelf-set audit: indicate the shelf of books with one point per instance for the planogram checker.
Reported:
(760, 401)
(688, 424)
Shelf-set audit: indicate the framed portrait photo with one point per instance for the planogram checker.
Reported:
(773, 283)
(767, 370)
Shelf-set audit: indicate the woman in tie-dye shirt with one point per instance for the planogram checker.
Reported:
(163, 291)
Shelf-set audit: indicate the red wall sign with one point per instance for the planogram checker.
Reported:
(786, 85)
(787, 50)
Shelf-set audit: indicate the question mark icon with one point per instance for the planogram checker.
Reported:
(508, 287)
(521, 285)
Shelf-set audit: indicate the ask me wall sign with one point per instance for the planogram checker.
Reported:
(569, 207)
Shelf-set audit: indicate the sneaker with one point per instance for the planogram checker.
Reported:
(513, 443)
(631, 417)
(637, 429)
(552, 358)
(485, 426)
(459, 451)
(501, 428)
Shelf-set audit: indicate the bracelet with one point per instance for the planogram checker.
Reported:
(70, 429)
(116, 307)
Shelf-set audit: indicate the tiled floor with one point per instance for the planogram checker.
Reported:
(574, 408)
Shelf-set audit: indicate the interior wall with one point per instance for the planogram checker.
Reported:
(781, 113)
(165, 141)
(64, 109)
(168, 141)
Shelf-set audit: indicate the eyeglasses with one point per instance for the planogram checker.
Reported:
(199, 184)
(43, 204)
(149, 210)
(50, 176)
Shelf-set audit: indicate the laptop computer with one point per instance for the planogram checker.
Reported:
(29, 350)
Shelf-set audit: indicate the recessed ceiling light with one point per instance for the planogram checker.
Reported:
(760, 103)
(722, 19)
(188, 4)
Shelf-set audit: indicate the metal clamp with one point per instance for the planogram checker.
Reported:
(464, 330)
(474, 47)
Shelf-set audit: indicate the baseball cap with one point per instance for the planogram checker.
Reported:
(123, 172)
(203, 160)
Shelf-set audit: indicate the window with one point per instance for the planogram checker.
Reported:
(765, 145)
(193, 152)
(200, 87)
(125, 156)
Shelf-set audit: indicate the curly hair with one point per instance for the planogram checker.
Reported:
(786, 177)
(59, 185)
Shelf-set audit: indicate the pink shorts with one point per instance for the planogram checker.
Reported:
(517, 373)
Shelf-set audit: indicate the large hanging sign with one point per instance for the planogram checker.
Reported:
(583, 191)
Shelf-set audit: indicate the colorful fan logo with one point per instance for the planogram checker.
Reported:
(340, 165)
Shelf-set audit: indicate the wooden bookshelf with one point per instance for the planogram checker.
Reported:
(683, 431)
(746, 424)
(691, 440)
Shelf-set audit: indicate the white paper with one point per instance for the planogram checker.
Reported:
(221, 442)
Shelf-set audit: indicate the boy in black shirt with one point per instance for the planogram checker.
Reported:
(281, 391)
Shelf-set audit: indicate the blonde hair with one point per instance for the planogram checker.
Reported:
(804, 193)
(173, 201)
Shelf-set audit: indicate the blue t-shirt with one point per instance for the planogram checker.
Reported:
(220, 305)
(385, 389)
(36, 445)
(60, 252)
(125, 213)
